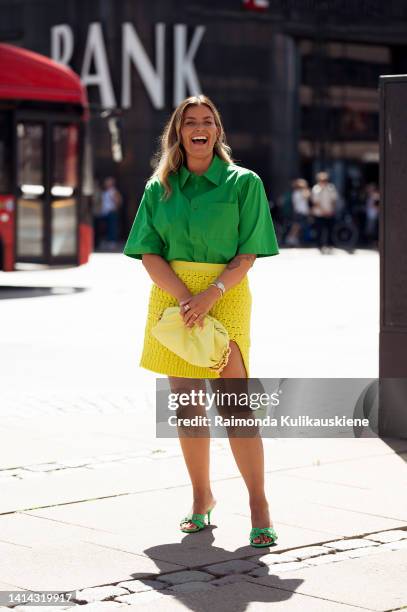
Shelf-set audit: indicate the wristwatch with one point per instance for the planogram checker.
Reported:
(220, 286)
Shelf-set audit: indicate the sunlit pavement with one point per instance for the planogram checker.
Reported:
(91, 497)
(82, 328)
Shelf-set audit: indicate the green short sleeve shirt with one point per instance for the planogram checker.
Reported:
(208, 218)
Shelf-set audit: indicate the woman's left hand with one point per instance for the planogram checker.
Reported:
(194, 309)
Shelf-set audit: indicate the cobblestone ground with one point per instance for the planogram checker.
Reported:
(209, 577)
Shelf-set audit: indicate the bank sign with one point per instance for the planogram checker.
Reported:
(95, 70)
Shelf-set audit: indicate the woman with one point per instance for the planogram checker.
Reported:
(201, 224)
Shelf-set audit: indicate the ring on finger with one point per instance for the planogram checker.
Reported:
(187, 307)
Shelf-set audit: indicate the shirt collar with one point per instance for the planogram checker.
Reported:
(213, 173)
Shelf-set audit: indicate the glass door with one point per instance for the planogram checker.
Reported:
(64, 189)
(30, 220)
(47, 160)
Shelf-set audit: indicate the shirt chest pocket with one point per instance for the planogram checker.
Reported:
(219, 219)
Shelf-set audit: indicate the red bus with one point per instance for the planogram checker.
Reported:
(45, 169)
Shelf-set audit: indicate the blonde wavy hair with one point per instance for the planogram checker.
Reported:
(171, 153)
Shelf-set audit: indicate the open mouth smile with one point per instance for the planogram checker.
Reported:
(199, 140)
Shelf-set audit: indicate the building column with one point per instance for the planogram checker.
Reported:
(284, 112)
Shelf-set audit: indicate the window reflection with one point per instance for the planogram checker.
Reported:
(65, 155)
(30, 228)
(29, 154)
(63, 227)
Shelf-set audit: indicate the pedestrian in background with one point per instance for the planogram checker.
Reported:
(324, 198)
(98, 219)
(111, 203)
(300, 203)
(372, 213)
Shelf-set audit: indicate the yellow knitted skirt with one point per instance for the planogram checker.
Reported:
(233, 310)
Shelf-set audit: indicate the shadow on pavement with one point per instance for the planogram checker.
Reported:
(10, 292)
(201, 543)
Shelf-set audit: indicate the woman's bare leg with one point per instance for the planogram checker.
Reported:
(249, 456)
(195, 449)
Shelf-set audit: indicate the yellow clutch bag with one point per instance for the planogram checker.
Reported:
(206, 347)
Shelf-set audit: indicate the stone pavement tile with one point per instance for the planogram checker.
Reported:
(89, 595)
(6, 586)
(74, 565)
(376, 582)
(334, 557)
(4, 478)
(57, 487)
(285, 557)
(43, 438)
(185, 576)
(278, 568)
(243, 596)
(231, 579)
(323, 560)
(377, 473)
(101, 480)
(43, 467)
(388, 536)
(236, 566)
(191, 587)
(308, 551)
(364, 552)
(76, 463)
(146, 598)
(350, 544)
(139, 586)
(332, 507)
(402, 545)
(295, 453)
(39, 533)
(80, 410)
(318, 517)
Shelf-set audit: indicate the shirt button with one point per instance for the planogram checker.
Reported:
(195, 206)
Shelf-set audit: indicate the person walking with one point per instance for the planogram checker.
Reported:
(300, 202)
(201, 223)
(371, 229)
(98, 218)
(111, 202)
(324, 198)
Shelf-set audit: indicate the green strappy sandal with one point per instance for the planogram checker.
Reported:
(268, 531)
(198, 519)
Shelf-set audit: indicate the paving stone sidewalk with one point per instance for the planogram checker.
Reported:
(209, 579)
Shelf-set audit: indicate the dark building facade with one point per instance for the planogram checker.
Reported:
(296, 82)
